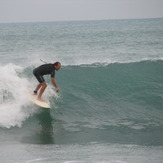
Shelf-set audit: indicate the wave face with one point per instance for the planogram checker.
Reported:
(110, 100)
(110, 82)
(118, 98)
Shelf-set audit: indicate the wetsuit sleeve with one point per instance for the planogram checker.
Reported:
(53, 74)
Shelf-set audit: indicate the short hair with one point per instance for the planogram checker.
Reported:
(56, 63)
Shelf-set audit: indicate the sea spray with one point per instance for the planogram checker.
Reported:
(13, 96)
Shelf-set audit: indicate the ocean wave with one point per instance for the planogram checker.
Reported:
(104, 63)
(103, 93)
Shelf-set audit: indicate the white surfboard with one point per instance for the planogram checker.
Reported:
(43, 104)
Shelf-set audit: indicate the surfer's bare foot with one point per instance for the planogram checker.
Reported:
(40, 99)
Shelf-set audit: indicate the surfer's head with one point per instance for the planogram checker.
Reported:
(57, 65)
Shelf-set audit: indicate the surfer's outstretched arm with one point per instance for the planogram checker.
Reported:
(55, 84)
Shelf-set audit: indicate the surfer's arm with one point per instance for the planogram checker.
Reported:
(55, 84)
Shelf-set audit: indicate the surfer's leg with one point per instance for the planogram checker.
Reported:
(41, 80)
(37, 88)
(44, 85)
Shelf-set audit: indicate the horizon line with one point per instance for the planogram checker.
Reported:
(77, 20)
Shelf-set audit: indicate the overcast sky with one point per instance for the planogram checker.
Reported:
(59, 10)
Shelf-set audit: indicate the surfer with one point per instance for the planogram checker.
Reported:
(42, 70)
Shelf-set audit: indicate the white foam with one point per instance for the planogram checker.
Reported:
(13, 96)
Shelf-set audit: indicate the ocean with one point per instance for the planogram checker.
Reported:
(110, 105)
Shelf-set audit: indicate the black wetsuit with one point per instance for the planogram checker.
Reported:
(44, 70)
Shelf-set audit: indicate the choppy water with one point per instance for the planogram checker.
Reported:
(109, 108)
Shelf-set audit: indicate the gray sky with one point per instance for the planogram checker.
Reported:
(59, 10)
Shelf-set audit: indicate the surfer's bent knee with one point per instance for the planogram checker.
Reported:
(44, 84)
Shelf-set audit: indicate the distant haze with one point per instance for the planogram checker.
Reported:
(59, 10)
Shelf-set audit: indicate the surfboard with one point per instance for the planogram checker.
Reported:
(43, 104)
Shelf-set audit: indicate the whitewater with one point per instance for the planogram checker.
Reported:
(109, 108)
